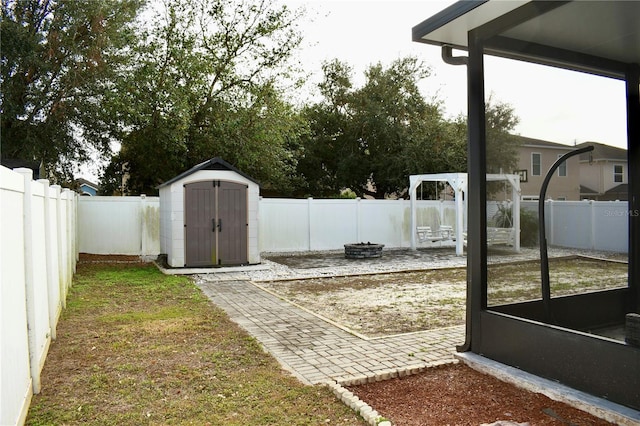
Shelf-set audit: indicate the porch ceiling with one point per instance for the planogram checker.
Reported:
(599, 37)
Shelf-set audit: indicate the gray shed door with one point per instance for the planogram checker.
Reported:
(232, 223)
(215, 223)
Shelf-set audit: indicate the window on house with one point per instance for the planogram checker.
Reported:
(562, 170)
(536, 159)
(618, 173)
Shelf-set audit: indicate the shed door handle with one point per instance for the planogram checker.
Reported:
(213, 225)
(219, 225)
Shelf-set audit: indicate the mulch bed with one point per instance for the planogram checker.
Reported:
(458, 395)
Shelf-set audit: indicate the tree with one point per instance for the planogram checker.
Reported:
(372, 138)
(206, 84)
(502, 145)
(60, 59)
(502, 151)
(261, 138)
(327, 145)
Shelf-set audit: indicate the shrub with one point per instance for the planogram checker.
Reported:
(528, 223)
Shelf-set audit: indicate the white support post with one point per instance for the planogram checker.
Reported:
(412, 198)
(460, 213)
(515, 205)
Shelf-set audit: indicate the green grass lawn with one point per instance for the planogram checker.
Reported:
(138, 347)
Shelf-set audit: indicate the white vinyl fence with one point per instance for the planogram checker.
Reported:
(310, 224)
(130, 225)
(119, 225)
(588, 225)
(328, 224)
(38, 256)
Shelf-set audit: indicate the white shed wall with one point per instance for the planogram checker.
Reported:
(165, 216)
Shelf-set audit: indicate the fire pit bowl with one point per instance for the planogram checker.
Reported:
(362, 250)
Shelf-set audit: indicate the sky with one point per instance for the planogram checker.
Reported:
(553, 104)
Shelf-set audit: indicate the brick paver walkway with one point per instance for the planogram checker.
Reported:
(315, 350)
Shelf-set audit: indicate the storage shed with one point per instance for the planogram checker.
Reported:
(209, 217)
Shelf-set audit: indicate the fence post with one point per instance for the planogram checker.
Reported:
(358, 219)
(61, 272)
(74, 233)
(69, 194)
(52, 288)
(27, 175)
(309, 204)
(551, 236)
(592, 219)
(143, 225)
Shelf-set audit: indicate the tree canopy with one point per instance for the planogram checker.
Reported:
(206, 83)
(158, 87)
(370, 139)
(502, 144)
(59, 61)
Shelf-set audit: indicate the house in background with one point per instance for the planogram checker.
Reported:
(536, 158)
(603, 173)
(86, 187)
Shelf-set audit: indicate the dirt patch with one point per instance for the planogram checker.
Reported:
(459, 395)
(108, 258)
(385, 304)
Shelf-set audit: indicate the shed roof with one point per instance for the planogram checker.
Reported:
(216, 163)
(589, 36)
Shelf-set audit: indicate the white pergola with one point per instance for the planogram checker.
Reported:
(458, 181)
